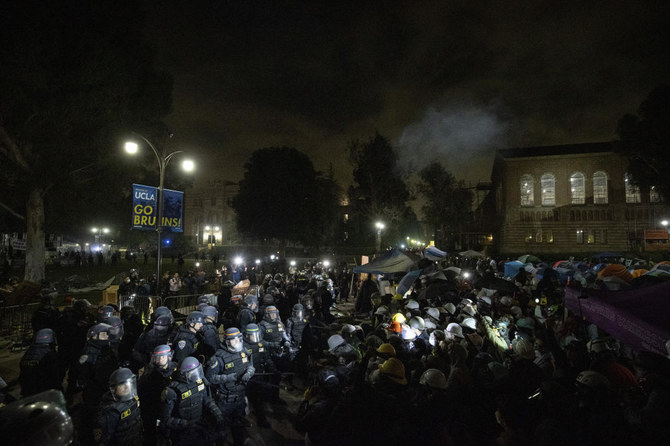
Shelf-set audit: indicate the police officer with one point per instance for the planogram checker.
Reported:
(96, 365)
(72, 333)
(188, 336)
(183, 404)
(231, 311)
(229, 371)
(159, 334)
(247, 314)
(274, 332)
(295, 325)
(104, 313)
(40, 366)
(210, 334)
(119, 419)
(47, 315)
(156, 377)
(264, 385)
(115, 333)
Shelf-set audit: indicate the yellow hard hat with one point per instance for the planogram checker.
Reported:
(399, 317)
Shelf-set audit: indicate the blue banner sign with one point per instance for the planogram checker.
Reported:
(145, 210)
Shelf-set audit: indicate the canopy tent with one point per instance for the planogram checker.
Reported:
(433, 253)
(470, 253)
(394, 261)
(637, 317)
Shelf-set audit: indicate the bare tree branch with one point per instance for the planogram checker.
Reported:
(9, 148)
(12, 211)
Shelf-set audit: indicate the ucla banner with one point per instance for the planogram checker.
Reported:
(145, 209)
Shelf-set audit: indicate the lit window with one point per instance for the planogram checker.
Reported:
(577, 192)
(591, 236)
(580, 236)
(632, 190)
(600, 188)
(526, 190)
(538, 236)
(548, 190)
(549, 235)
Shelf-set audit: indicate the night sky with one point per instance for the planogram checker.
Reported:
(446, 80)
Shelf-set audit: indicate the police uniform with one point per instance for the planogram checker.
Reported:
(274, 333)
(295, 328)
(228, 372)
(245, 317)
(210, 339)
(120, 421)
(183, 406)
(147, 342)
(264, 385)
(184, 344)
(40, 370)
(150, 389)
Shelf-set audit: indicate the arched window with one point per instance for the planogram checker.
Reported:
(526, 190)
(548, 190)
(632, 190)
(577, 192)
(600, 188)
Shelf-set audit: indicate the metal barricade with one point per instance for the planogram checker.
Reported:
(181, 306)
(15, 323)
(143, 305)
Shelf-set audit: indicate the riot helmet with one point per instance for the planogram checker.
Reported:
(211, 313)
(123, 384)
(268, 299)
(163, 311)
(162, 324)
(234, 340)
(271, 314)
(201, 307)
(161, 355)
(204, 299)
(308, 302)
(236, 300)
(99, 332)
(44, 336)
(104, 313)
(252, 333)
(116, 327)
(251, 302)
(195, 320)
(191, 370)
(81, 306)
(298, 311)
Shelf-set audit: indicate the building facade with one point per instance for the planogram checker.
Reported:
(209, 215)
(572, 199)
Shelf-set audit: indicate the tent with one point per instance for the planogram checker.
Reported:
(512, 268)
(638, 317)
(433, 253)
(394, 261)
(529, 258)
(407, 281)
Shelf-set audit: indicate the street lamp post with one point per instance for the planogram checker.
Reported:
(380, 226)
(163, 160)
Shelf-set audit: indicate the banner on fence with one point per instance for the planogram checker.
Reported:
(145, 210)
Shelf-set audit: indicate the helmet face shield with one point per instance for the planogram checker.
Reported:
(254, 336)
(161, 356)
(234, 343)
(126, 390)
(194, 375)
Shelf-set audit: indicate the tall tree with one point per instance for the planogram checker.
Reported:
(379, 191)
(645, 141)
(73, 75)
(448, 208)
(282, 197)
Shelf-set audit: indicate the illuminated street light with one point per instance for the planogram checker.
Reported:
(292, 262)
(380, 226)
(163, 159)
(238, 261)
(272, 257)
(326, 263)
(258, 261)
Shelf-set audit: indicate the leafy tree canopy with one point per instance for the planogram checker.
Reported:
(645, 141)
(282, 197)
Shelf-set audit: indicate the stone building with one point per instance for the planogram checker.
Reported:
(209, 216)
(572, 199)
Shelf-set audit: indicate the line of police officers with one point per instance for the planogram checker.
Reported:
(193, 387)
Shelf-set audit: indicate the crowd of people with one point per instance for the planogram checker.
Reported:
(448, 362)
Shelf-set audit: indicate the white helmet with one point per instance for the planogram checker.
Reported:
(434, 379)
(434, 313)
(335, 341)
(469, 310)
(470, 323)
(348, 328)
(517, 312)
(506, 301)
(454, 331)
(451, 308)
(430, 325)
(408, 334)
(412, 305)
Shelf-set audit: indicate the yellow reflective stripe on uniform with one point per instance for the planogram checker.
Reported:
(125, 414)
(185, 395)
(201, 387)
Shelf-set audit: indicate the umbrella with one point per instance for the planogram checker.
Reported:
(512, 268)
(435, 275)
(407, 281)
(437, 288)
(470, 253)
(529, 258)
